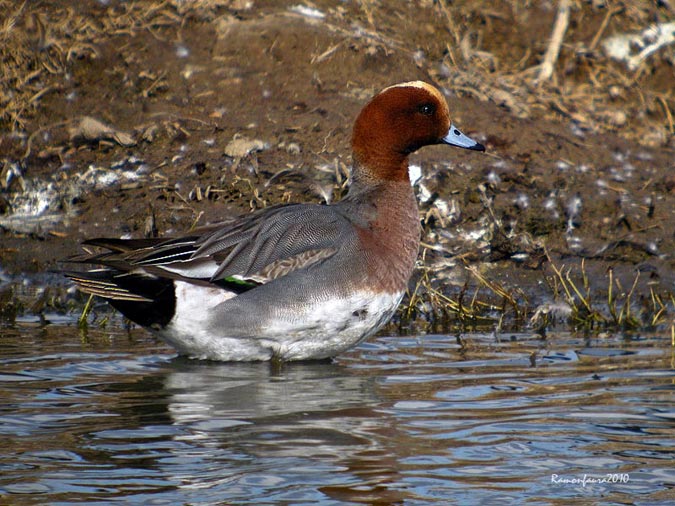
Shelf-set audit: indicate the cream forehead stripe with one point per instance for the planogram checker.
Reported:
(421, 85)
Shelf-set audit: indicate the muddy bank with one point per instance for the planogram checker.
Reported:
(152, 118)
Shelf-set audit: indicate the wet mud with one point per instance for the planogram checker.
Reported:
(149, 119)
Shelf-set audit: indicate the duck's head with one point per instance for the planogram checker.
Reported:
(399, 120)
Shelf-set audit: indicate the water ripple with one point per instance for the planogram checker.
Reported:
(412, 420)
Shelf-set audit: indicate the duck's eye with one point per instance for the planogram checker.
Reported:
(427, 109)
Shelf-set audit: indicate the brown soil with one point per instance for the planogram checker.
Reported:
(173, 83)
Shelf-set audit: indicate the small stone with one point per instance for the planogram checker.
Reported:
(240, 147)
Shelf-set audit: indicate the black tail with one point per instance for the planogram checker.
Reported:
(145, 299)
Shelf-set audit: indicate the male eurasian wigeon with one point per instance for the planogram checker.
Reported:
(289, 282)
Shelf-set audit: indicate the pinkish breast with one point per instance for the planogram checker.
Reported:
(391, 242)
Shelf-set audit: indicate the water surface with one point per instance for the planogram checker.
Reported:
(113, 417)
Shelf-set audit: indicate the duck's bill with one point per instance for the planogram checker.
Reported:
(456, 138)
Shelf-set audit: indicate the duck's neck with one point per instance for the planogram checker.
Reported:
(373, 164)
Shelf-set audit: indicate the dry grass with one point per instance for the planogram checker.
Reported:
(37, 49)
(575, 82)
(622, 308)
(480, 303)
(576, 304)
(567, 76)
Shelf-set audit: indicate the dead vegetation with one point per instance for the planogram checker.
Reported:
(39, 46)
(574, 302)
(575, 80)
(561, 67)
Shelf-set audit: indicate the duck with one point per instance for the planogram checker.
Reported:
(289, 282)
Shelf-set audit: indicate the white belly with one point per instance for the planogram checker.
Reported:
(319, 331)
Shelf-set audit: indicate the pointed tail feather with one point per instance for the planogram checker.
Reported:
(147, 300)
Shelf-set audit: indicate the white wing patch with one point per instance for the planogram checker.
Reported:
(197, 269)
